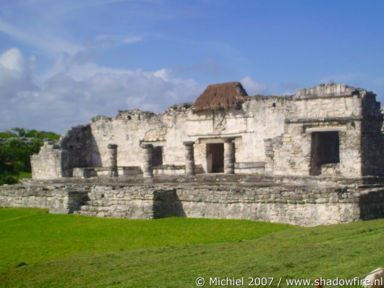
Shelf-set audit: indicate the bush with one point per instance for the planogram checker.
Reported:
(8, 179)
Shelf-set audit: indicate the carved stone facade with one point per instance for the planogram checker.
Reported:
(330, 129)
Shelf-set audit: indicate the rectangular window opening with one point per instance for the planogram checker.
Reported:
(325, 149)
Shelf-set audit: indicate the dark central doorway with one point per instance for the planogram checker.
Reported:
(215, 158)
(325, 149)
(157, 156)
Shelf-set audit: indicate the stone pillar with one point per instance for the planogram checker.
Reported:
(189, 158)
(112, 155)
(147, 164)
(229, 156)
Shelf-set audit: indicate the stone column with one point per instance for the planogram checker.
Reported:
(112, 155)
(229, 156)
(189, 158)
(147, 164)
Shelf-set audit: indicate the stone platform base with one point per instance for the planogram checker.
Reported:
(306, 201)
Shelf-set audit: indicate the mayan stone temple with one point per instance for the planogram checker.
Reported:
(312, 158)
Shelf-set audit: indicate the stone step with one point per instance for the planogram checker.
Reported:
(98, 209)
(88, 208)
(97, 213)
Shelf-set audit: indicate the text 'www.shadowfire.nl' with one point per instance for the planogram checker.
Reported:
(277, 282)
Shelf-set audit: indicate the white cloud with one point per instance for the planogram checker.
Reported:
(74, 88)
(12, 60)
(38, 38)
(132, 39)
(252, 87)
(14, 74)
(111, 40)
(163, 74)
(75, 92)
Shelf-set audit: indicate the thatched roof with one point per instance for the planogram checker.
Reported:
(220, 96)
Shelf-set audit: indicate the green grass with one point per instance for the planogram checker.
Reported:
(33, 235)
(174, 252)
(24, 174)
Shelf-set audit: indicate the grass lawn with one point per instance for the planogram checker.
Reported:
(75, 251)
(24, 174)
(33, 235)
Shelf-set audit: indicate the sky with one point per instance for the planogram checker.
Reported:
(64, 62)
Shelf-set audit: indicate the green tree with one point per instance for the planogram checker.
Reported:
(15, 153)
(7, 134)
(21, 132)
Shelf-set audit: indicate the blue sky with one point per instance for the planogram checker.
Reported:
(63, 62)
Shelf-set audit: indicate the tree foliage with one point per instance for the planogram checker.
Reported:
(16, 148)
(26, 133)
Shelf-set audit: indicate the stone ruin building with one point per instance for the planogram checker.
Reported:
(315, 157)
(329, 129)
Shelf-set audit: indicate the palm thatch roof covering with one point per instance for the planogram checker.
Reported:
(220, 96)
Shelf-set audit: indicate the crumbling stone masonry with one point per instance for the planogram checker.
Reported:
(330, 129)
(330, 132)
(299, 201)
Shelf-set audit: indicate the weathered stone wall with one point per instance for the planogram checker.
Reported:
(293, 205)
(324, 108)
(260, 117)
(127, 131)
(179, 124)
(301, 204)
(292, 152)
(58, 198)
(271, 135)
(82, 149)
(76, 148)
(134, 202)
(51, 163)
(372, 138)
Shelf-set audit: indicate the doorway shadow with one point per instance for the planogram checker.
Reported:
(166, 203)
(372, 205)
